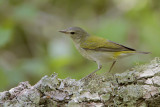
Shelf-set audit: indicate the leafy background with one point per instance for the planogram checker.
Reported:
(31, 46)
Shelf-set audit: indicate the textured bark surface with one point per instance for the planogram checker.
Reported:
(139, 87)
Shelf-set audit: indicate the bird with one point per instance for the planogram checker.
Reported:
(98, 49)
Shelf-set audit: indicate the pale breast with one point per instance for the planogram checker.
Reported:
(83, 52)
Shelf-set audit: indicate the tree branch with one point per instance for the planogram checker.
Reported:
(137, 88)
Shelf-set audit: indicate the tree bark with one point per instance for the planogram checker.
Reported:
(139, 87)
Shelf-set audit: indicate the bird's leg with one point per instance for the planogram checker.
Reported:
(99, 67)
(112, 66)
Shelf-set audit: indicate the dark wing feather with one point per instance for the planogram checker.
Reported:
(125, 47)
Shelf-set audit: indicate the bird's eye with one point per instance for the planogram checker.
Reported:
(72, 32)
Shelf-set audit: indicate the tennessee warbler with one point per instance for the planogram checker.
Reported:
(98, 49)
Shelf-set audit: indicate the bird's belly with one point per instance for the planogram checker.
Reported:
(101, 57)
(104, 57)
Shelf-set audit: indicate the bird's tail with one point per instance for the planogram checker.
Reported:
(143, 52)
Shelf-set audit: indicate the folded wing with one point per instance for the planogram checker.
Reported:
(101, 44)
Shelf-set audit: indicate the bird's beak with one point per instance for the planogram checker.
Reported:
(64, 31)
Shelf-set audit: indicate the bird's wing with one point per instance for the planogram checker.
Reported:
(101, 44)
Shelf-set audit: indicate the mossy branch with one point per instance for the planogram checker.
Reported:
(139, 87)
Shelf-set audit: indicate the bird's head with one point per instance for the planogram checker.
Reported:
(76, 33)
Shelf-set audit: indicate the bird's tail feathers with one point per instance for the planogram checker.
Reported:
(143, 52)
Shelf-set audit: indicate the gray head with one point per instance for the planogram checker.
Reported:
(76, 33)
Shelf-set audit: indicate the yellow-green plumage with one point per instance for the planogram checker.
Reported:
(93, 42)
(101, 44)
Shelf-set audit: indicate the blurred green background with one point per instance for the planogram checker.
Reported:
(31, 46)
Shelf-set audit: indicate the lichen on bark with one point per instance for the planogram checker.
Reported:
(139, 87)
